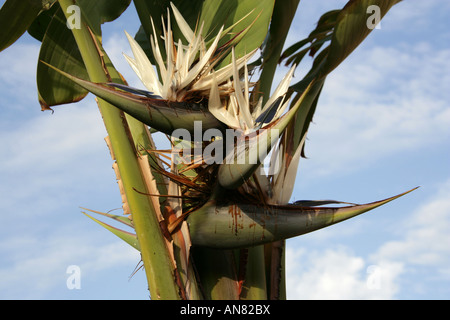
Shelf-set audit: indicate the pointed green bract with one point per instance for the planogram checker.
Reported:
(163, 115)
(128, 237)
(243, 225)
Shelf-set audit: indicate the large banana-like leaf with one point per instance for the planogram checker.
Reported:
(17, 16)
(225, 225)
(162, 115)
(315, 40)
(352, 28)
(60, 49)
(345, 29)
(96, 12)
(229, 12)
(283, 14)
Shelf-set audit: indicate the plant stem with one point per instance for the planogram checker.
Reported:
(157, 261)
(254, 285)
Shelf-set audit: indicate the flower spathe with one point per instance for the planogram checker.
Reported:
(236, 111)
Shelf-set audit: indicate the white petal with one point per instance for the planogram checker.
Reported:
(246, 88)
(146, 71)
(157, 52)
(197, 69)
(216, 107)
(258, 109)
(194, 46)
(281, 89)
(223, 74)
(184, 27)
(284, 181)
(170, 64)
(242, 99)
(179, 63)
(133, 64)
(233, 110)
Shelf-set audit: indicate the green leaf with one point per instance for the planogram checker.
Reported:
(317, 37)
(101, 11)
(122, 219)
(283, 14)
(345, 29)
(39, 26)
(304, 116)
(60, 49)
(17, 16)
(97, 12)
(351, 29)
(217, 13)
(227, 225)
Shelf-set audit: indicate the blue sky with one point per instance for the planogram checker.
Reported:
(382, 127)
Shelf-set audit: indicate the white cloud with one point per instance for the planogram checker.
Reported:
(52, 139)
(425, 242)
(52, 160)
(415, 261)
(338, 274)
(417, 13)
(18, 65)
(33, 274)
(49, 162)
(381, 102)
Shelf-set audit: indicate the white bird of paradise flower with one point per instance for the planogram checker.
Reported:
(189, 71)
